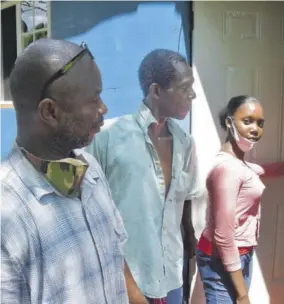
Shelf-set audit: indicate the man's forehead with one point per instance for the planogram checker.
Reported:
(91, 74)
(184, 72)
(87, 82)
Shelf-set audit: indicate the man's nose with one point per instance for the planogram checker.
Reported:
(103, 108)
(192, 94)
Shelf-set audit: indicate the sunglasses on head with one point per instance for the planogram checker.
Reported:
(66, 67)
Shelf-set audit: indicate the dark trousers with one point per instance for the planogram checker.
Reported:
(186, 278)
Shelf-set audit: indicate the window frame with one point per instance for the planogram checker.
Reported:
(19, 35)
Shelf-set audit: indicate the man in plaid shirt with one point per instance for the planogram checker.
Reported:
(61, 234)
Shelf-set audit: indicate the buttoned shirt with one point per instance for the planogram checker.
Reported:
(154, 250)
(57, 249)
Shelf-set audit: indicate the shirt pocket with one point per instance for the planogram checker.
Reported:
(182, 187)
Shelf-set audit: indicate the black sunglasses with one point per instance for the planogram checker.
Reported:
(66, 67)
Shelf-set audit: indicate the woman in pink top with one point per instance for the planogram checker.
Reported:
(225, 249)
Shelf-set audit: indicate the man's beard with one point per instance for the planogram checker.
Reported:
(67, 137)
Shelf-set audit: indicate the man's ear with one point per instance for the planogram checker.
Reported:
(155, 91)
(49, 112)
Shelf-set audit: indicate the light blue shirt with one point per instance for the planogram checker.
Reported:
(154, 250)
(57, 249)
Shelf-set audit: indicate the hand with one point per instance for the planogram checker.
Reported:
(243, 300)
(189, 243)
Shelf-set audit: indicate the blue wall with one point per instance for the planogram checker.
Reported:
(8, 130)
(119, 34)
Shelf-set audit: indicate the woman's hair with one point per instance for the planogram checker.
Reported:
(232, 106)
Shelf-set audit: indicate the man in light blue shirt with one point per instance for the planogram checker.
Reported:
(61, 234)
(151, 167)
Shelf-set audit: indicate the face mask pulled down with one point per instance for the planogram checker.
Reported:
(65, 175)
(243, 143)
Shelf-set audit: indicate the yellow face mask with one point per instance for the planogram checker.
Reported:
(65, 175)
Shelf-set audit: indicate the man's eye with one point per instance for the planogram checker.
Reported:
(185, 89)
(97, 99)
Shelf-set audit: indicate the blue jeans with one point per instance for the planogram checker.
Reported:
(217, 284)
(175, 296)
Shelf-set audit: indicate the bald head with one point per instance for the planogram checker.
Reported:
(69, 111)
(34, 67)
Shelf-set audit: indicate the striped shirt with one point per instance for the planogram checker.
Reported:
(56, 249)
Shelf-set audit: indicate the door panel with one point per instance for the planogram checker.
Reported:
(238, 48)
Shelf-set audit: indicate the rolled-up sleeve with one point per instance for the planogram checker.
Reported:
(223, 185)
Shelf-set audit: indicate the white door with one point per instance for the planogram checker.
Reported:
(238, 48)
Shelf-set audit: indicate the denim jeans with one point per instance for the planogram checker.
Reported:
(217, 284)
(175, 296)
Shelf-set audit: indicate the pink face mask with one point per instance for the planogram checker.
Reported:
(243, 143)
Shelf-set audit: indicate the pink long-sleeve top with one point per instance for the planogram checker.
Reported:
(233, 212)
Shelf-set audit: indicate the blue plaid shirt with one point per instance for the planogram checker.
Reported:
(56, 249)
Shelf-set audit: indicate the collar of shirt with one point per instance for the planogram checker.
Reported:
(145, 118)
(65, 175)
(35, 180)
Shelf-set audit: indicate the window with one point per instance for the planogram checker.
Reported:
(34, 21)
(9, 48)
(22, 23)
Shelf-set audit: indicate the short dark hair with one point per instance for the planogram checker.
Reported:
(232, 106)
(158, 67)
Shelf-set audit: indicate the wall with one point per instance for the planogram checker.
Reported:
(119, 34)
(8, 130)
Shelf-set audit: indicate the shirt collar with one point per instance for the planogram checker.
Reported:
(33, 179)
(145, 118)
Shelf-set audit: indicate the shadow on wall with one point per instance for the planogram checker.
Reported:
(69, 24)
(219, 75)
(206, 151)
(81, 16)
(120, 34)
